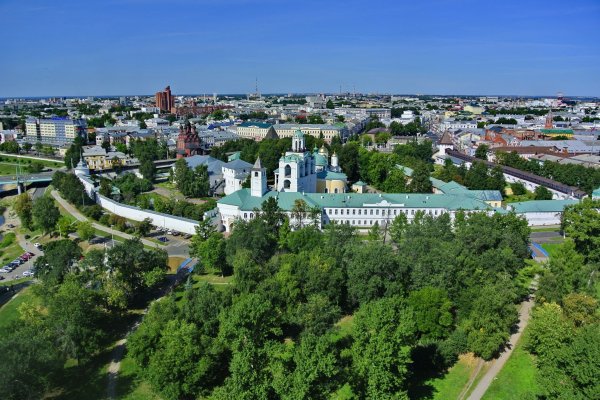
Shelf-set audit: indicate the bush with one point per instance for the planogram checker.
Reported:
(95, 212)
(518, 188)
(104, 219)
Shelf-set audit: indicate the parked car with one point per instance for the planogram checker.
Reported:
(30, 254)
(163, 239)
(1, 277)
(4, 270)
(187, 236)
(38, 245)
(175, 233)
(27, 273)
(17, 261)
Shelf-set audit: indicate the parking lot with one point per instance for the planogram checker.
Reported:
(18, 271)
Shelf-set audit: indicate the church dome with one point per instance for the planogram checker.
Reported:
(323, 151)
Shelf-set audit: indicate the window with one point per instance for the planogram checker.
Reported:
(376, 212)
(353, 211)
(336, 211)
(245, 215)
(371, 212)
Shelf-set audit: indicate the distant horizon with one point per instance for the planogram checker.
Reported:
(296, 94)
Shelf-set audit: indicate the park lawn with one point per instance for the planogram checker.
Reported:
(130, 386)
(26, 161)
(15, 281)
(545, 229)
(8, 168)
(452, 383)
(516, 380)
(9, 312)
(9, 249)
(551, 248)
(87, 381)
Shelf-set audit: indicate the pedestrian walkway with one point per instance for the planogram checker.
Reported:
(497, 364)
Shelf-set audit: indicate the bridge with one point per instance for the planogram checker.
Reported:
(21, 180)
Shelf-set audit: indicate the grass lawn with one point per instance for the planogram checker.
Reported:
(130, 386)
(9, 312)
(545, 229)
(26, 161)
(551, 248)
(451, 384)
(9, 248)
(15, 281)
(516, 380)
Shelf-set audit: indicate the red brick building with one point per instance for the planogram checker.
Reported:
(165, 101)
(188, 141)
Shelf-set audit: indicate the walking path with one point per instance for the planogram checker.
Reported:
(497, 364)
(80, 217)
(178, 248)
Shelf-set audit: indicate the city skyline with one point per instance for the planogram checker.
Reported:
(139, 46)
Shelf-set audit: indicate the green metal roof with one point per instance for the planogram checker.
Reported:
(407, 171)
(320, 160)
(359, 183)
(246, 202)
(541, 206)
(332, 176)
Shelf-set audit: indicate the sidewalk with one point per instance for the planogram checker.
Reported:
(80, 217)
(497, 364)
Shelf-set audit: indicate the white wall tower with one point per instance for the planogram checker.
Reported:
(258, 180)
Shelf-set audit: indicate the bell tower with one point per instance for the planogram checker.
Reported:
(258, 179)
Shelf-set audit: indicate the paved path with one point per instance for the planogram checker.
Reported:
(113, 368)
(497, 364)
(175, 248)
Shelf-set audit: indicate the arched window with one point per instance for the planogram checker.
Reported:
(286, 184)
(287, 171)
(335, 190)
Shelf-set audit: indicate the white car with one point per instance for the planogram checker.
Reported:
(27, 273)
(37, 245)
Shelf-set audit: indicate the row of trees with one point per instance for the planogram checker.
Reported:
(441, 289)
(41, 213)
(564, 332)
(586, 178)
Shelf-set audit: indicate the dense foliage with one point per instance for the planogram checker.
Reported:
(447, 287)
(586, 178)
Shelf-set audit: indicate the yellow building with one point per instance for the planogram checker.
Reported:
(331, 182)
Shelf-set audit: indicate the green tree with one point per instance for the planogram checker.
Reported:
(144, 227)
(477, 176)
(57, 260)
(420, 182)
(313, 372)
(381, 350)
(433, 313)
(76, 320)
(85, 230)
(211, 253)
(73, 153)
(581, 222)
(374, 272)
(45, 214)
(23, 207)
(482, 151)
(148, 170)
(518, 188)
(541, 193)
(492, 316)
(329, 105)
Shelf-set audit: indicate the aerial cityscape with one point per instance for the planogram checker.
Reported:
(253, 199)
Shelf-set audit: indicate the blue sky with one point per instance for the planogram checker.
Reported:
(89, 47)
